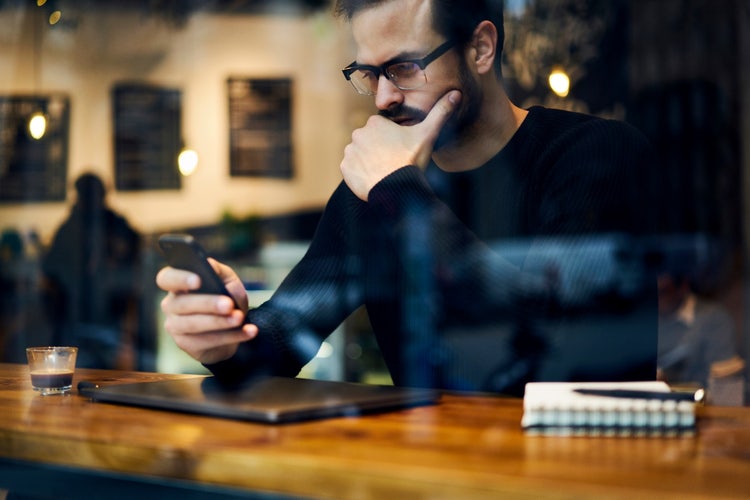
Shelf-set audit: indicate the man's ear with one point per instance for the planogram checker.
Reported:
(484, 45)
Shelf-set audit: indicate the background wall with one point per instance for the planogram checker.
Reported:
(90, 50)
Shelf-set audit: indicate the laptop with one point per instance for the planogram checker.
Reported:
(270, 399)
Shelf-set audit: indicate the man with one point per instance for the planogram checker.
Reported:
(432, 186)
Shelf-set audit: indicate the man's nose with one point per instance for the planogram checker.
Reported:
(387, 94)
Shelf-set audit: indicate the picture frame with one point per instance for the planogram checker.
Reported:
(33, 169)
(147, 136)
(260, 127)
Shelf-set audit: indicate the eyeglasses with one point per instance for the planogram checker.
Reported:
(406, 74)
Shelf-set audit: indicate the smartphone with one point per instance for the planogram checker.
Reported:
(182, 251)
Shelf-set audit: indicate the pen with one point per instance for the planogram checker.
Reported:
(639, 394)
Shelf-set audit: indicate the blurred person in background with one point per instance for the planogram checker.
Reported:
(698, 342)
(91, 273)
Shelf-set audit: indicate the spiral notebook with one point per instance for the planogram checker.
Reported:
(637, 409)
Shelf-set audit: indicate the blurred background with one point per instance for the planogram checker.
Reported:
(124, 119)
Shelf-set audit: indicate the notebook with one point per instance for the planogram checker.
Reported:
(270, 400)
(638, 409)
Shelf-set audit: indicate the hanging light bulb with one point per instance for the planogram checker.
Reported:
(37, 121)
(559, 82)
(187, 161)
(37, 125)
(55, 17)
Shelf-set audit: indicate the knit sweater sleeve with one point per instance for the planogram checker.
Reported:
(313, 299)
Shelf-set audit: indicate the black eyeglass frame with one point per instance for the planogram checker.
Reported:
(382, 69)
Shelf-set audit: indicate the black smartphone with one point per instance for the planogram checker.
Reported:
(182, 251)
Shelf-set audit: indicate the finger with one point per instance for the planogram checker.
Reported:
(440, 112)
(177, 280)
(194, 303)
(232, 281)
(198, 324)
(225, 272)
(213, 346)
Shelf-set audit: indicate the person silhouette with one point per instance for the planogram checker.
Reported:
(697, 342)
(91, 274)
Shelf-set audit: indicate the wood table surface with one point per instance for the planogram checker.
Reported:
(466, 446)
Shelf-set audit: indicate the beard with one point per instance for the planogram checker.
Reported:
(462, 119)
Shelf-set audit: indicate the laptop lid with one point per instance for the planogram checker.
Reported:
(269, 400)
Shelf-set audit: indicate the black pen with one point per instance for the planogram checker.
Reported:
(640, 394)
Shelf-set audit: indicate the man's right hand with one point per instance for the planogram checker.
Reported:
(207, 327)
(382, 146)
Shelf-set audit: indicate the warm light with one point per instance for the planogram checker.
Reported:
(37, 125)
(54, 18)
(187, 161)
(559, 83)
(40, 2)
(325, 351)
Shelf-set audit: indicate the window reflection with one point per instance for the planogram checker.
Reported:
(672, 69)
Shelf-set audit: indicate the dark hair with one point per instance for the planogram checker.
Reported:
(90, 189)
(455, 20)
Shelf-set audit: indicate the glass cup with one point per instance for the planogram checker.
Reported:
(52, 368)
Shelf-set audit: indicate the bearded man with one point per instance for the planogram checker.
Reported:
(461, 224)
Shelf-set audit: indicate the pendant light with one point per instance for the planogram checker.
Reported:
(38, 120)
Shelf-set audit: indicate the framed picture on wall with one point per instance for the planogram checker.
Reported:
(34, 160)
(147, 138)
(260, 127)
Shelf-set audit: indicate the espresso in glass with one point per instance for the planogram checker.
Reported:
(52, 368)
(55, 380)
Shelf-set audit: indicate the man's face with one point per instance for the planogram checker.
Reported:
(672, 294)
(403, 29)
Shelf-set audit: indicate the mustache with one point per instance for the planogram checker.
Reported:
(402, 111)
(398, 113)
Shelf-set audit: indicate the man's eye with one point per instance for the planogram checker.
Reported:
(366, 75)
(403, 70)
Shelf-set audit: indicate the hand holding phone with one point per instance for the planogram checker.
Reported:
(182, 251)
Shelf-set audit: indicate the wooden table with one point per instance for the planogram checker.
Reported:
(464, 447)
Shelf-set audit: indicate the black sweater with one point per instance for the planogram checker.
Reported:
(454, 269)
